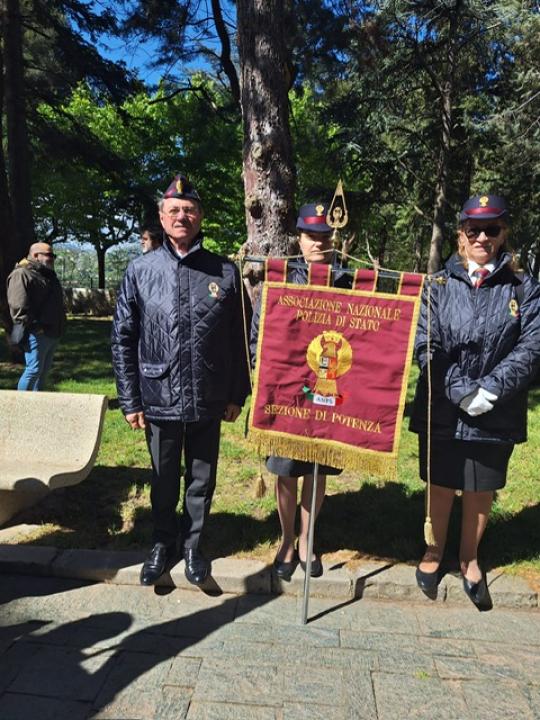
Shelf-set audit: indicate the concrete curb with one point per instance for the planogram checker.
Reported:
(376, 580)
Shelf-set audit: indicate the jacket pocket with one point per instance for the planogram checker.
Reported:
(155, 384)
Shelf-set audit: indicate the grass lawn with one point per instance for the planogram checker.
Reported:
(361, 517)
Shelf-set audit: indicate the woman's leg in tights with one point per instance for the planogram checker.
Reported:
(442, 499)
(474, 518)
(286, 497)
(305, 509)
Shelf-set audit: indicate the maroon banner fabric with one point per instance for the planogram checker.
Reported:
(331, 375)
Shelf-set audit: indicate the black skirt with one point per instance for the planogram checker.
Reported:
(296, 468)
(465, 465)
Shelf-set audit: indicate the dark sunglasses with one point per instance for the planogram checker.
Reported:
(491, 231)
(47, 254)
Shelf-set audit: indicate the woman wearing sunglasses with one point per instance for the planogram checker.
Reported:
(483, 329)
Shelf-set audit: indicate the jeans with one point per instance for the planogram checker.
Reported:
(38, 356)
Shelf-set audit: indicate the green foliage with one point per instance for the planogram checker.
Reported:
(147, 140)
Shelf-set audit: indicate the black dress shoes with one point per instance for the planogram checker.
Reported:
(428, 582)
(156, 563)
(316, 566)
(197, 566)
(478, 592)
(285, 570)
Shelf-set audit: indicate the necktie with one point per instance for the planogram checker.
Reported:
(480, 275)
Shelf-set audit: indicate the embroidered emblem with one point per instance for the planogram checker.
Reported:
(514, 308)
(319, 209)
(214, 290)
(329, 355)
(483, 201)
(180, 187)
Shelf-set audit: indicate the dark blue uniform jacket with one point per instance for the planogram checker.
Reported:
(178, 340)
(487, 336)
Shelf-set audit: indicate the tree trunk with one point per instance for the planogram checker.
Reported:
(446, 90)
(7, 250)
(101, 266)
(269, 176)
(20, 180)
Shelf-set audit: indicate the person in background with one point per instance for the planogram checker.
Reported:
(151, 238)
(180, 363)
(484, 342)
(315, 241)
(36, 305)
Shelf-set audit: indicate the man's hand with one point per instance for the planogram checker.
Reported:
(136, 420)
(232, 411)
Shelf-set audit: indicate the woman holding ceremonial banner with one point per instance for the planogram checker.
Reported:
(315, 241)
(478, 347)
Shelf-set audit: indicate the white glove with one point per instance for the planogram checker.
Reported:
(478, 402)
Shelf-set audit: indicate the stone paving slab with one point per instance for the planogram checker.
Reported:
(109, 652)
(23, 707)
(231, 711)
(27, 559)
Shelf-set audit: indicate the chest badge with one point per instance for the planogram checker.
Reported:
(514, 308)
(213, 289)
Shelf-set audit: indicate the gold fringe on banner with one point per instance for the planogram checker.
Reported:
(383, 465)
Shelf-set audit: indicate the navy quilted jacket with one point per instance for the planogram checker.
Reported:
(487, 336)
(177, 339)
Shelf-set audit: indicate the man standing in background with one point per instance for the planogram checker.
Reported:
(36, 305)
(151, 238)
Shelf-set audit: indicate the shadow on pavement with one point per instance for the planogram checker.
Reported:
(80, 667)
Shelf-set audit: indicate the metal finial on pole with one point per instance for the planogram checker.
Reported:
(338, 215)
(311, 533)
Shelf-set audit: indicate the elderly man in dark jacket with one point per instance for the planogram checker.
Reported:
(180, 364)
(36, 304)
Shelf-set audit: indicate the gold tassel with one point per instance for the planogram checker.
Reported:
(429, 537)
(259, 490)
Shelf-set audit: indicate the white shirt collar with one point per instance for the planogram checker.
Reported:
(474, 266)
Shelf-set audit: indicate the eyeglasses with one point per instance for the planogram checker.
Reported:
(491, 231)
(47, 254)
(174, 212)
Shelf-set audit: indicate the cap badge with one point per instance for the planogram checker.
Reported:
(483, 201)
(214, 290)
(514, 308)
(319, 209)
(180, 187)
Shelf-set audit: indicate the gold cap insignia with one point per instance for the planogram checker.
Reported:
(319, 209)
(180, 187)
(483, 201)
(514, 308)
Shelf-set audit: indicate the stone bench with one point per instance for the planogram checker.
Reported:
(47, 441)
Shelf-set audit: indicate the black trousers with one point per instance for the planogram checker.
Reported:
(200, 442)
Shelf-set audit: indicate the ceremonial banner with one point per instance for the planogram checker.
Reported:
(331, 372)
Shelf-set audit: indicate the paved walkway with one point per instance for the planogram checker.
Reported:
(75, 650)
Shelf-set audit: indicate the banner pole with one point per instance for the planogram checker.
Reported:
(311, 533)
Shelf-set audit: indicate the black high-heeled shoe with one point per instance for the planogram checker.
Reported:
(316, 565)
(478, 593)
(285, 570)
(428, 582)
